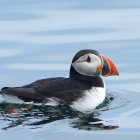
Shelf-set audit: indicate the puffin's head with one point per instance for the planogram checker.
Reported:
(92, 63)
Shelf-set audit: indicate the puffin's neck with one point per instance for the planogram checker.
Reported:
(93, 81)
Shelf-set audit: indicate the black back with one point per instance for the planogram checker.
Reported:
(65, 89)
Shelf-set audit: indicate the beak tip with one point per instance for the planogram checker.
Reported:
(116, 72)
(112, 67)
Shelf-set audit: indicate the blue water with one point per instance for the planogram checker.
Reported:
(38, 39)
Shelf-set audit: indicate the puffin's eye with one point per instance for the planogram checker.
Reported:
(88, 59)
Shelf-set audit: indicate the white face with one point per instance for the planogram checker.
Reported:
(88, 65)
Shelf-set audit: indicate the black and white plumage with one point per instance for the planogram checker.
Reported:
(84, 89)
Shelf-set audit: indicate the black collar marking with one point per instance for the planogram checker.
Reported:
(92, 81)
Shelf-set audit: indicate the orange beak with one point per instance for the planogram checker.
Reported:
(109, 68)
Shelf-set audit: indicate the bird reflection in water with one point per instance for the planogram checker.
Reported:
(38, 115)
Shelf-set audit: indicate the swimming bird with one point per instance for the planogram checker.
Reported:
(84, 90)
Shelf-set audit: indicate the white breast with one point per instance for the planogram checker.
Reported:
(91, 99)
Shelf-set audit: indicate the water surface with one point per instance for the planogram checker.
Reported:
(38, 39)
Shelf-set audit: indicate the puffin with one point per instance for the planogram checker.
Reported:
(83, 91)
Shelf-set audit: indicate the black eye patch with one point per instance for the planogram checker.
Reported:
(88, 59)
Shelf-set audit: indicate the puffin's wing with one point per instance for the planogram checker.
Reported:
(63, 89)
(26, 94)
